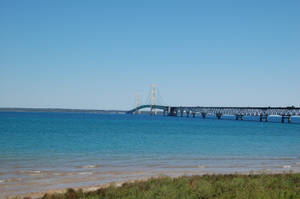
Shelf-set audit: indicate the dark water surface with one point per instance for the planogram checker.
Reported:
(42, 151)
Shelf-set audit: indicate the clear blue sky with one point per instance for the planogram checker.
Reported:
(99, 54)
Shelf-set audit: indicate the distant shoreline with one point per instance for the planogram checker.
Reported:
(61, 110)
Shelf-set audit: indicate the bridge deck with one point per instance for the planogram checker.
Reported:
(239, 112)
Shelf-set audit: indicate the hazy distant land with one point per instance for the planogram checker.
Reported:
(62, 110)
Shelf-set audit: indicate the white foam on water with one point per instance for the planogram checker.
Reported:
(1, 181)
(88, 166)
(34, 172)
(286, 166)
(201, 166)
(85, 173)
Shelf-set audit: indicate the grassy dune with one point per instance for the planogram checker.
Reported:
(263, 186)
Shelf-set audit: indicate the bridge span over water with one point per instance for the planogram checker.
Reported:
(239, 112)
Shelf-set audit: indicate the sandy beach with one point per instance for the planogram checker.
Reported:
(95, 187)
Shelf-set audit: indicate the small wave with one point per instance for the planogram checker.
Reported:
(89, 166)
(286, 166)
(2, 181)
(35, 171)
(28, 172)
(85, 173)
(56, 174)
(184, 166)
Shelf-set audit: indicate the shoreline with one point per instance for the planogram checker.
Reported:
(95, 180)
(36, 195)
(86, 189)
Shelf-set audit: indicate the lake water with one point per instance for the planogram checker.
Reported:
(44, 151)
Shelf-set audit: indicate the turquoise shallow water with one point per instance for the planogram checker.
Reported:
(42, 151)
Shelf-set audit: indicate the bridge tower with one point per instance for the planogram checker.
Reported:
(153, 97)
(137, 102)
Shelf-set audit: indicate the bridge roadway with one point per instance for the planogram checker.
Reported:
(239, 112)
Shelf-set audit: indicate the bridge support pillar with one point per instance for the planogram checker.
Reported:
(239, 116)
(181, 113)
(194, 114)
(153, 111)
(203, 115)
(261, 117)
(188, 113)
(288, 117)
(172, 111)
(219, 115)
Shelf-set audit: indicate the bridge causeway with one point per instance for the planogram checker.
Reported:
(239, 112)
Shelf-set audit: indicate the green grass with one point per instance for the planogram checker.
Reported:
(263, 186)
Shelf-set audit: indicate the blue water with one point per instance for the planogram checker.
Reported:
(56, 150)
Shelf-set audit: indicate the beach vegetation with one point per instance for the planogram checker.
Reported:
(252, 186)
